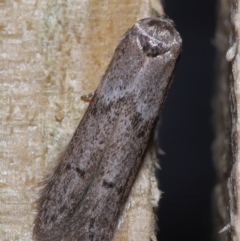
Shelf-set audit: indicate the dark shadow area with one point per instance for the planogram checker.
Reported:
(187, 174)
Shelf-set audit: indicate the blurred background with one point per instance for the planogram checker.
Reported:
(187, 174)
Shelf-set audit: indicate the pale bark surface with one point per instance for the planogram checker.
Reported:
(52, 52)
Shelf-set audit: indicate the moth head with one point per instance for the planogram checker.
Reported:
(156, 36)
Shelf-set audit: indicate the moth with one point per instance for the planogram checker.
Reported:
(84, 197)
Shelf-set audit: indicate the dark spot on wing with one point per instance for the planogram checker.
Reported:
(92, 221)
(46, 221)
(94, 110)
(53, 218)
(140, 134)
(119, 190)
(107, 184)
(80, 172)
(61, 210)
(91, 236)
(68, 167)
(135, 119)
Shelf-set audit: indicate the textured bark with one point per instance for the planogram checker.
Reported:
(221, 123)
(226, 122)
(52, 52)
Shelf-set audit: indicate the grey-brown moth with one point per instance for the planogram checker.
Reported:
(84, 197)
